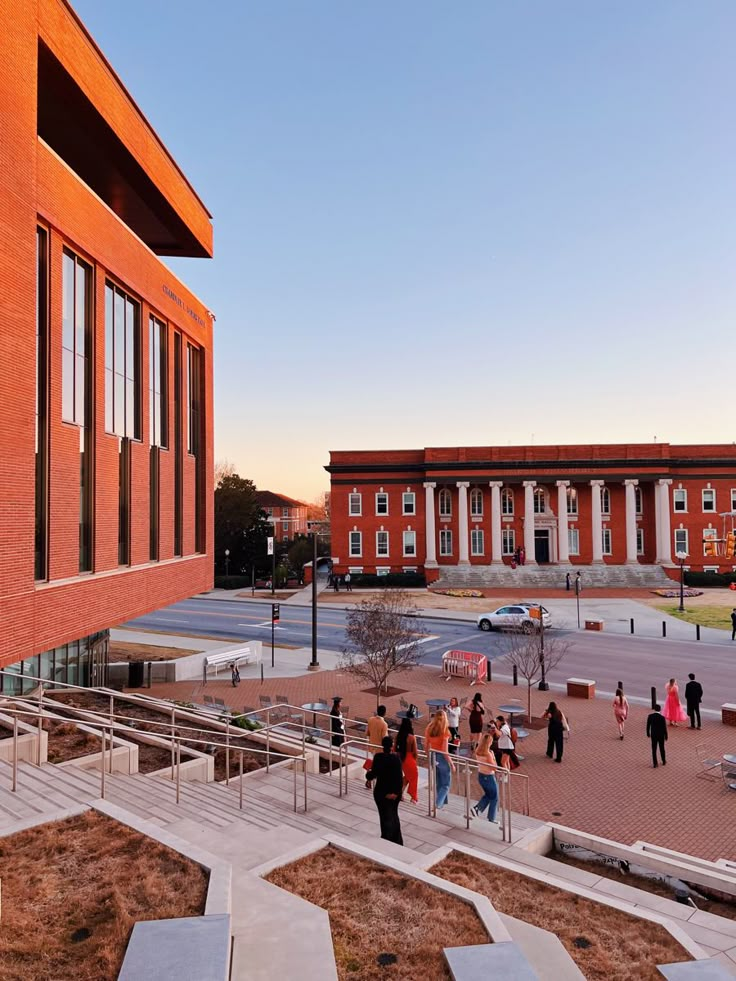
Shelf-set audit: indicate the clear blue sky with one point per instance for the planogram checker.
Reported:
(442, 224)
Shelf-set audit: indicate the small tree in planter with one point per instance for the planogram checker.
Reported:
(534, 655)
(383, 636)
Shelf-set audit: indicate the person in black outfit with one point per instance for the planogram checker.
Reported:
(657, 732)
(387, 772)
(567, 581)
(555, 729)
(693, 698)
(733, 624)
(337, 723)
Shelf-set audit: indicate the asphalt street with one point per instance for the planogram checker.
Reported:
(639, 662)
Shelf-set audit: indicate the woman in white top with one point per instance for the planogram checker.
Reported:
(453, 711)
(506, 743)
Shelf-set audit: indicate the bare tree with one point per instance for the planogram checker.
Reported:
(534, 656)
(383, 635)
(223, 468)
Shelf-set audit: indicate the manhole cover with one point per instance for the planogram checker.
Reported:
(582, 942)
(556, 814)
(385, 959)
(81, 934)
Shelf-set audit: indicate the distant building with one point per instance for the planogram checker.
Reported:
(288, 517)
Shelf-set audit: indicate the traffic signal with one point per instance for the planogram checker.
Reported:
(710, 547)
(730, 543)
(275, 612)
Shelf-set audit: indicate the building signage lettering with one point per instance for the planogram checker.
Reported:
(179, 302)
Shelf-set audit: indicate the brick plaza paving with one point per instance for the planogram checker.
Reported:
(604, 785)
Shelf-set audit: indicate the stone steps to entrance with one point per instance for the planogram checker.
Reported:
(553, 576)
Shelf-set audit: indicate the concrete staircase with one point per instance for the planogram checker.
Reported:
(553, 577)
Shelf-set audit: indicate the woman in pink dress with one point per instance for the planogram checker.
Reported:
(620, 711)
(673, 710)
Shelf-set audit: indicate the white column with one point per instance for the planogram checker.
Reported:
(529, 486)
(631, 557)
(563, 549)
(596, 522)
(657, 524)
(664, 518)
(496, 555)
(430, 548)
(462, 530)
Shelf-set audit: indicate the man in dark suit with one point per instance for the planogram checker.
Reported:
(386, 770)
(657, 732)
(693, 698)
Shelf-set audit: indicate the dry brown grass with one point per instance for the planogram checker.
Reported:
(621, 946)
(374, 910)
(87, 873)
(123, 651)
(67, 742)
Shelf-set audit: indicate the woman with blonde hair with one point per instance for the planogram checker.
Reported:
(486, 779)
(673, 710)
(436, 738)
(620, 711)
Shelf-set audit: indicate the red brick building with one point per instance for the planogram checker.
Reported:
(628, 504)
(288, 516)
(106, 357)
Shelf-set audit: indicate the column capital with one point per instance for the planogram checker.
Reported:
(596, 483)
(429, 485)
(530, 483)
(462, 483)
(664, 482)
(495, 483)
(631, 483)
(562, 483)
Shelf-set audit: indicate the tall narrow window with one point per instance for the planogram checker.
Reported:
(178, 449)
(194, 402)
(158, 431)
(76, 384)
(42, 427)
(124, 503)
(154, 485)
(122, 363)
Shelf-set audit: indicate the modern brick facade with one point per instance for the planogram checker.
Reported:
(615, 504)
(88, 186)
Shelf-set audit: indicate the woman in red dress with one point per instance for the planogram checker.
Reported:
(406, 747)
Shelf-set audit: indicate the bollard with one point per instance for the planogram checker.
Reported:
(664, 628)
(654, 696)
(631, 624)
(488, 669)
(516, 675)
(261, 672)
(697, 631)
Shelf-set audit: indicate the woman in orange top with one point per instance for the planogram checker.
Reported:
(406, 747)
(437, 738)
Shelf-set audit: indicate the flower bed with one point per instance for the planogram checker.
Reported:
(460, 593)
(675, 593)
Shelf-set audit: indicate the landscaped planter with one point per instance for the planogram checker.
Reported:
(27, 741)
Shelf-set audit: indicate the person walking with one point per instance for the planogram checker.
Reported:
(406, 747)
(657, 732)
(733, 624)
(556, 726)
(386, 771)
(336, 583)
(620, 711)
(578, 584)
(234, 675)
(436, 744)
(673, 710)
(337, 723)
(377, 728)
(477, 711)
(346, 580)
(486, 779)
(693, 698)
(567, 581)
(506, 744)
(453, 718)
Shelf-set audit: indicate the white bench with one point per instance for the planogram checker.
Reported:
(251, 654)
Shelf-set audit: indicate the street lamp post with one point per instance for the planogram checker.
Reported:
(681, 556)
(227, 562)
(314, 663)
(543, 686)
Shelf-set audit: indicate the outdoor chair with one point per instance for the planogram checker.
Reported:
(403, 702)
(247, 709)
(220, 704)
(729, 778)
(209, 700)
(265, 701)
(709, 760)
(463, 701)
(296, 716)
(282, 699)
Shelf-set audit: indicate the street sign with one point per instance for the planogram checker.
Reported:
(269, 550)
(275, 615)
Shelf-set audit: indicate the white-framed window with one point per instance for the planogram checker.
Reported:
(476, 541)
(639, 498)
(284, 512)
(572, 500)
(383, 570)
(605, 503)
(711, 568)
(507, 501)
(356, 504)
(476, 503)
(445, 499)
(285, 537)
(508, 541)
(606, 541)
(356, 543)
(410, 543)
(733, 498)
(381, 503)
(709, 500)
(445, 541)
(408, 503)
(573, 541)
(409, 568)
(355, 570)
(681, 540)
(679, 499)
(540, 500)
(709, 534)
(639, 541)
(381, 543)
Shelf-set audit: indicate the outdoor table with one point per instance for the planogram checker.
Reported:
(436, 703)
(404, 714)
(730, 758)
(315, 707)
(521, 733)
(511, 711)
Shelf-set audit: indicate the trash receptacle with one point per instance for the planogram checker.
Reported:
(135, 674)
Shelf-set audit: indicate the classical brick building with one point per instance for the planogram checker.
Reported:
(106, 357)
(288, 516)
(628, 504)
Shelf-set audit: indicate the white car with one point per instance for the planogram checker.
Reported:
(516, 617)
